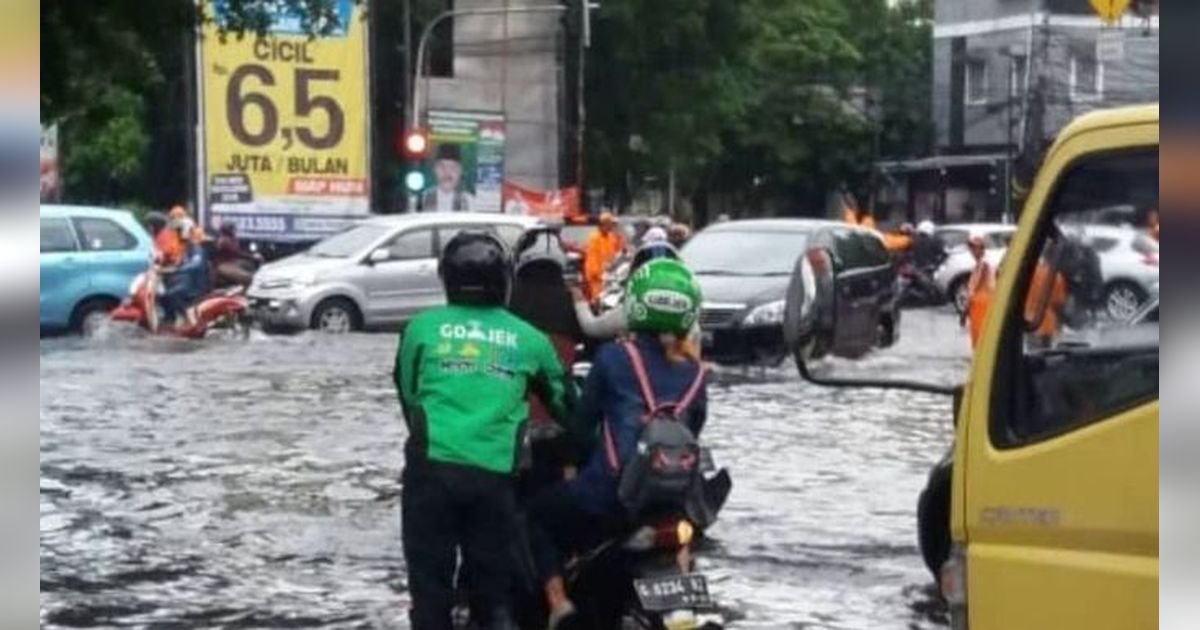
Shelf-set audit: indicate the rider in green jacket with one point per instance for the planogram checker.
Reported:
(463, 373)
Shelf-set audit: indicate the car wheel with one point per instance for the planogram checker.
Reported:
(91, 314)
(1123, 299)
(933, 522)
(337, 316)
(958, 294)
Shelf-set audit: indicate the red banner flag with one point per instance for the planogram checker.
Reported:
(561, 204)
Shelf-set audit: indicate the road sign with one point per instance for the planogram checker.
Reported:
(1110, 10)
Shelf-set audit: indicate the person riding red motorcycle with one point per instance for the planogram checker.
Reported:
(181, 292)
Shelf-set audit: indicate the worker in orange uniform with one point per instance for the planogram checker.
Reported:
(1046, 299)
(900, 242)
(858, 216)
(980, 286)
(168, 242)
(603, 246)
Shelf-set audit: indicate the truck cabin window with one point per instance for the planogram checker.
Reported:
(1086, 331)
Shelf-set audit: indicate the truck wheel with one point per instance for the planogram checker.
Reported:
(90, 314)
(336, 315)
(933, 522)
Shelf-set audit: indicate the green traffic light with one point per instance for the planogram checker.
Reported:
(415, 181)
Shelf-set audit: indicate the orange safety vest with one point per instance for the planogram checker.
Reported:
(1048, 326)
(601, 249)
(169, 246)
(980, 287)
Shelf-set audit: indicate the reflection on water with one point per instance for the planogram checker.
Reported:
(254, 484)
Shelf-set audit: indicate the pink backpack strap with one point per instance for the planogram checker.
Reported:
(692, 391)
(639, 370)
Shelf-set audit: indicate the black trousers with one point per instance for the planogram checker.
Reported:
(446, 508)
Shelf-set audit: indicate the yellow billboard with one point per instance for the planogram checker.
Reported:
(284, 141)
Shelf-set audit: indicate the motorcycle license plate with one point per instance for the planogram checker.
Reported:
(672, 592)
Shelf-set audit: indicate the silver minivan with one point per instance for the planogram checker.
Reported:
(379, 273)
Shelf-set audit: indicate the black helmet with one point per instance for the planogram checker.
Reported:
(650, 251)
(155, 220)
(228, 227)
(476, 269)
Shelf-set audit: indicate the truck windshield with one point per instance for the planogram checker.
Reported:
(348, 243)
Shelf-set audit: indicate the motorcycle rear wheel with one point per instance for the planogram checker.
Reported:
(234, 326)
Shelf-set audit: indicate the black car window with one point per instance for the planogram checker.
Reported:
(103, 235)
(850, 250)
(876, 254)
(1076, 351)
(411, 245)
(57, 236)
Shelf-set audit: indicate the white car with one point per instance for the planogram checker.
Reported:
(951, 277)
(379, 273)
(1128, 266)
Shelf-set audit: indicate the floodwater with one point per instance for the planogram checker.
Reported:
(255, 484)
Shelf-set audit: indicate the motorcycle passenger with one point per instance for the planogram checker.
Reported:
(612, 322)
(662, 305)
(168, 242)
(230, 259)
(462, 373)
(188, 281)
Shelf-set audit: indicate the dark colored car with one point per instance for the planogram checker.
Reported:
(744, 268)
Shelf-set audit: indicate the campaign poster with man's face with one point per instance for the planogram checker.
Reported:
(465, 169)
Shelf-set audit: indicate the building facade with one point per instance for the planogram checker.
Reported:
(1007, 76)
(510, 64)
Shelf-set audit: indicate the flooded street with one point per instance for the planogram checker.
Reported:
(254, 484)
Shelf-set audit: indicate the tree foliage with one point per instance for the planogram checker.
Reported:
(756, 100)
(113, 77)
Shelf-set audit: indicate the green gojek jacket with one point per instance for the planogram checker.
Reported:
(463, 374)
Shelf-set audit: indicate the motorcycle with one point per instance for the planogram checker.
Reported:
(224, 309)
(916, 286)
(646, 572)
(644, 575)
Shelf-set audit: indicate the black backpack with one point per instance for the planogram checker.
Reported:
(665, 468)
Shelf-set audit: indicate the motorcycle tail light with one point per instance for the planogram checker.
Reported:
(1150, 259)
(670, 534)
(673, 533)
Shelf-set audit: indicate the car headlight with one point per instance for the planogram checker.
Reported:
(769, 314)
(305, 279)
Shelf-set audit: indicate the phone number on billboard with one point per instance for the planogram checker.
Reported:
(260, 224)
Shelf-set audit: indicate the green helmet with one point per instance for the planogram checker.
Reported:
(662, 297)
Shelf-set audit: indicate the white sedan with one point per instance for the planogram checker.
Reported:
(1128, 265)
(951, 277)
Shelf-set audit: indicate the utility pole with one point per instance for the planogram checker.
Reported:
(585, 42)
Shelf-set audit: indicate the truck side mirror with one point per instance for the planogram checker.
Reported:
(809, 317)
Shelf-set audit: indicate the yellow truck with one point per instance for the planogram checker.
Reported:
(1052, 487)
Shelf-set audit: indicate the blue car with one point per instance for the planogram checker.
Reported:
(89, 258)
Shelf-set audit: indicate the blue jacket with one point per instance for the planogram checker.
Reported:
(612, 398)
(190, 279)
